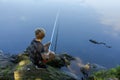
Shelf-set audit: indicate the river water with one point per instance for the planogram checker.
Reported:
(79, 21)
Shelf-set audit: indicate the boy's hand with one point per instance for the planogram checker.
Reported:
(46, 46)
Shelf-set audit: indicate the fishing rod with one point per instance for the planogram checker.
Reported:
(56, 40)
(54, 28)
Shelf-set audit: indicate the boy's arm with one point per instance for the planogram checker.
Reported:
(46, 46)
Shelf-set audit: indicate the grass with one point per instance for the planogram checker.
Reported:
(106, 74)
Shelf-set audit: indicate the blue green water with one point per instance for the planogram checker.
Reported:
(79, 21)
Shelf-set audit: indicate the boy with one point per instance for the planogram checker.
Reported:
(36, 49)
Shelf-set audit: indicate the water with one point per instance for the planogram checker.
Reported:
(79, 21)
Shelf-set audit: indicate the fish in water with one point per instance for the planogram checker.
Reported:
(96, 42)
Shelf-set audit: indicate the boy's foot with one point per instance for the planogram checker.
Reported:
(28, 69)
(41, 67)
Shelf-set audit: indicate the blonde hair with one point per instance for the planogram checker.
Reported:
(40, 30)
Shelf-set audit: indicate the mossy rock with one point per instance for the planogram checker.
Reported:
(111, 74)
(40, 74)
(23, 69)
(7, 73)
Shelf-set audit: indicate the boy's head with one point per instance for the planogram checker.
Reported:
(39, 33)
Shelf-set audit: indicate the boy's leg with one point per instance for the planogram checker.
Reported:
(39, 63)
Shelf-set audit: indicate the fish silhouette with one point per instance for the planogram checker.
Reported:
(96, 42)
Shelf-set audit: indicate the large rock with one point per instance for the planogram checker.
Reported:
(19, 67)
(29, 72)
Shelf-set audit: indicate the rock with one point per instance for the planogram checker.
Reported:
(61, 60)
(6, 67)
(109, 74)
(40, 74)
(19, 67)
(72, 75)
(112, 79)
(4, 61)
(1, 52)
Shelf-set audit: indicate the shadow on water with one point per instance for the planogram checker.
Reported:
(80, 71)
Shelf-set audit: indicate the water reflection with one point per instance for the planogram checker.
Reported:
(109, 9)
(80, 20)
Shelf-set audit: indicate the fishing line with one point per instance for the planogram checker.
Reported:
(54, 28)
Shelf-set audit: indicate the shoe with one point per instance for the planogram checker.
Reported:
(41, 66)
(28, 69)
(37, 67)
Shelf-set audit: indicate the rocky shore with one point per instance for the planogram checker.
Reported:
(19, 67)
